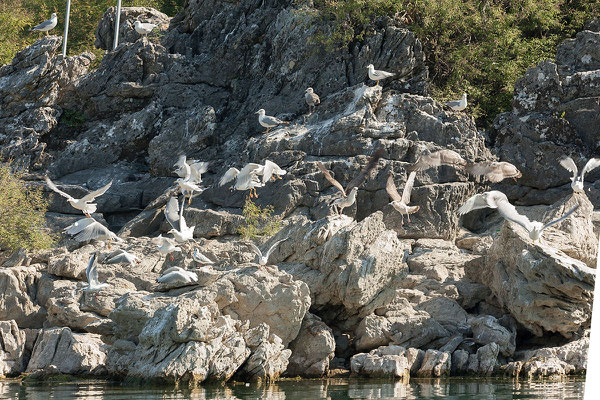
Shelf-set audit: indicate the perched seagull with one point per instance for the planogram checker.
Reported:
(123, 257)
(400, 203)
(497, 199)
(272, 171)
(82, 204)
(201, 258)
(263, 259)
(246, 179)
(177, 274)
(437, 158)
(92, 276)
(143, 28)
(577, 181)
(494, 171)
(87, 229)
(46, 25)
(165, 246)
(312, 99)
(458, 105)
(268, 121)
(174, 215)
(377, 75)
(349, 194)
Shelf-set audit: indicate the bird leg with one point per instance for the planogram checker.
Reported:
(171, 256)
(268, 129)
(377, 83)
(190, 200)
(87, 215)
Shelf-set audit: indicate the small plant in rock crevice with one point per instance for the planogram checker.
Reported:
(258, 221)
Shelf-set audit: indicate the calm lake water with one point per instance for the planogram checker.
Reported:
(342, 388)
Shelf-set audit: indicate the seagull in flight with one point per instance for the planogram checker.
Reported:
(246, 179)
(400, 203)
(91, 273)
(87, 229)
(175, 218)
(437, 158)
(263, 258)
(494, 171)
(498, 200)
(377, 75)
(271, 171)
(577, 180)
(349, 194)
(84, 204)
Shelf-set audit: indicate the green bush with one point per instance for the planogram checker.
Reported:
(478, 46)
(22, 210)
(258, 221)
(17, 16)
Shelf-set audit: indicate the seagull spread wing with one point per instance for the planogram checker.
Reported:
(268, 170)
(482, 200)
(180, 161)
(408, 187)
(197, 169)
(78, 226)
(330, 178)
(91, 272)
(367, 169)
(172, 213)
(229, 176)
(591, 164)
(570, 166)
(391, 189)
(52, 186)
(510, 213)
(273, 247)
(95, 230)
(478, 168)
(91, 196)
(255, 249)
(566, 215)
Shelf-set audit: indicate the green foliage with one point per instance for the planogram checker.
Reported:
(22, 211)
(17, 16)
(72, 118)
(478, 46)
(258, 221)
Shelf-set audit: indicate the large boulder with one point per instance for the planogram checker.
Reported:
(12, 350)
(18, 297)
(312, 350)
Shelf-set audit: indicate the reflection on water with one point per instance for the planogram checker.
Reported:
(306, 389)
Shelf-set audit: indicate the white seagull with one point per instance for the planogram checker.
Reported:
(436, 159)
(577, 181)
(82, 204)
(264, 258)
(377, 75)
(165, 246)
(197, 168)
(46, 25)
(400, 203)
(177, 274)
(201, 258)
(349, 194)
(272, 171)
(497, 199)
(87, 229)
(458, 105)
(92, 276)
(246, 179)
(312, 99)
(187, 184)
(143, 28)
(494, 171)
(268, 121)
(174, 216)
(123, 257)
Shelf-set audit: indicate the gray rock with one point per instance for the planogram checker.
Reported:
(484, 361)
(312, 350)
(460, 359)
(486, 330)
(435, 364)
(12, 353)
(18, 300)
(105, 31)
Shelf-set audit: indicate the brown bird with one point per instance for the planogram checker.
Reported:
(349, 194)
(437, 158)
(312, 99)
(400, 203)
(494, 171)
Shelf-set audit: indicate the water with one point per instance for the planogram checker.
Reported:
(342, 388)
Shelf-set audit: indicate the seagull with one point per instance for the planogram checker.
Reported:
(458, 105)
(497, 199)
(272, 171)
(201, 258)
(349, 194)
(268, 121)
(400, 203)
(82, 204)
(577, 181)
(437, 158)
(174, 215)
(187, 184)
(46, 25)
(92, 276)
(123, 257)
(263, 259)
(143, 28)
(87, 229)
(177, 274)
(312, 99)
(197, 168)
(165, 246)
(494, 171)
(377, 75)
(246, 179)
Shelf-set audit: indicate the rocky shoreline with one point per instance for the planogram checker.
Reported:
(364, 292)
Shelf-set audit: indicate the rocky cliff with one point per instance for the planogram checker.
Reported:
(363, 291)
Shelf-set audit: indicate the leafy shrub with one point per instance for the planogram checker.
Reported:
(258, 221)
(22, 211)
